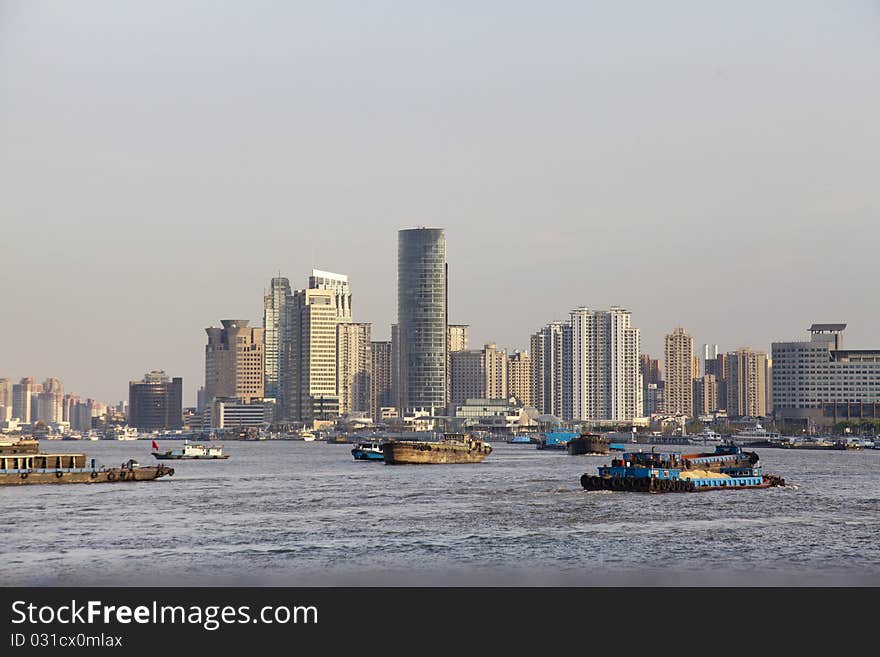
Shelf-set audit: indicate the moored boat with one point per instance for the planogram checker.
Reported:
(454, 448)
(727, 468)
(193, 452)
(368, 451)
(22, 463)
(589, 443)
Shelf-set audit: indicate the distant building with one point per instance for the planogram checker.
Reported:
(746, 376)
(717, 366)
(606, 380)
(654, 402)
(422, 320)
(548, 364)
(234, 363)
(314, 386)
(354, 367)
(21, 400)
(705, 395)
(519, 378)
(380, 378)
(479, 374)
(278, 340)
(819, 382)
(710, 352)
(340, 288)
(225, 413)
(156, 402)
(651, 374)
(456, 340)
(679, 361)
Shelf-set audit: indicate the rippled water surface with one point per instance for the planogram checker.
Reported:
(296, 513)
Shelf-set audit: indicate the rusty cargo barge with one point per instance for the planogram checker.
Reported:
(727, 468)
(454, 448)
(22, 463)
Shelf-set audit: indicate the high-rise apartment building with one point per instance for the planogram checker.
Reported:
(421, 319)
(278, 339)
(380, 378)
(156, 402)
(234, 364)
(710, 352)
(49, 406)
(717, 366)
(746, 377)
(519, 378)
(705, 395)
(606, 378)
(678, 394)
(548, 363)
(478, 374)
(456, 340)
(354, 367)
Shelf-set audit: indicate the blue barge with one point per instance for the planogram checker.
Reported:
(727, 468)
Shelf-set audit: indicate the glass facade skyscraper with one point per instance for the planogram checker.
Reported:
(421, 319)
(278, 335)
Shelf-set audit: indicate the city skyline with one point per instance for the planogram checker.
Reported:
(179, 180)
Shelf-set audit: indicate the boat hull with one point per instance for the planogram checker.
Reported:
(423, 453)
(180, 457)
(654, 485)
(109, 476)
(589, 445)
(361, 455)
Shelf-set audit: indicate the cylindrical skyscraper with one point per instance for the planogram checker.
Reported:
(421, 318)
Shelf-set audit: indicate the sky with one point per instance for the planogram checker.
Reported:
(706, 164)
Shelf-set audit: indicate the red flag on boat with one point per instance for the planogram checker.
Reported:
(155, 446)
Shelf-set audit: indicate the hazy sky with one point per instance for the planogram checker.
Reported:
(710, 164)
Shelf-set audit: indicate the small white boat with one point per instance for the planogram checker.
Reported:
(191, 452)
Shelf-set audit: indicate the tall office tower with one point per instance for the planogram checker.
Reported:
(547, 368)
(606, 379)
(456, 340)
(380, 378)
(314, 393)
(519, 377)
(678, 395)
(710, 352)
(395, 365)
(338, 285)
(278, 339)
(156, 402)
(234, 364)
(421, 319)
(21, 400)
(354, 367)
(705, 395)
(746, 376)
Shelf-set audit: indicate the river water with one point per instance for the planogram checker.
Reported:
(306, 514)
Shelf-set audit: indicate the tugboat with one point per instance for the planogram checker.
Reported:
(191, 452)
(727, 468)
(368, 451)
(454, 448)
(22, 463)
